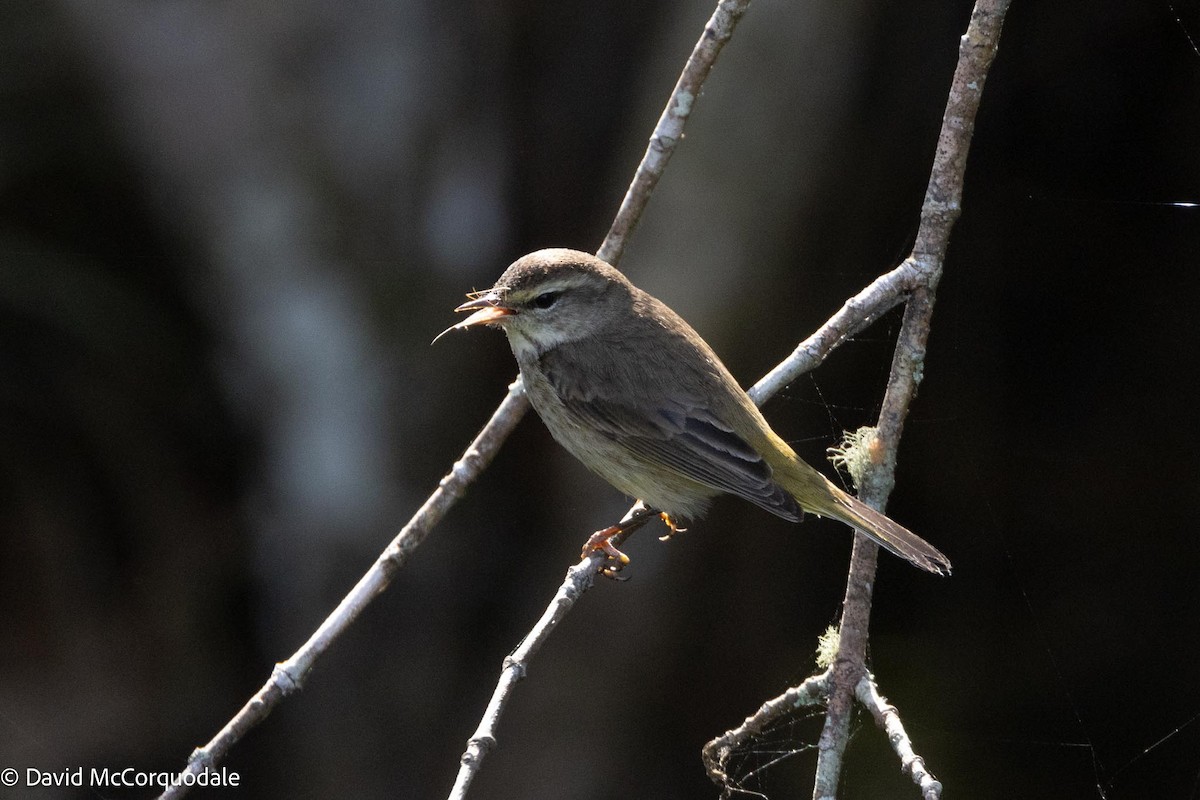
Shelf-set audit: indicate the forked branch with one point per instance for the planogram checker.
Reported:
(921, 272)
(916, 279)
(913, 281)
(290, 675)
(939, 211)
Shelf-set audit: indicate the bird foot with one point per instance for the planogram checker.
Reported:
(614, 559)
(602, 540)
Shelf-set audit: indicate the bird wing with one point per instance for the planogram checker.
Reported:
(668, 425)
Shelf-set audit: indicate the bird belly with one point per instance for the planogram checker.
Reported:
(656, 485)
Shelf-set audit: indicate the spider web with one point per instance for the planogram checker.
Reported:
(780, 760)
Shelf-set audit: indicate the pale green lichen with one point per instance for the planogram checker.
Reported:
(854, 454)
(827, 647)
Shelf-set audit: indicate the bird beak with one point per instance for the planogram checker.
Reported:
(487, 309)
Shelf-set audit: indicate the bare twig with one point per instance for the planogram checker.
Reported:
(579, 580)
(942, 205)
(669, 129)
(888, 718)
(879, 297)
(290, 675)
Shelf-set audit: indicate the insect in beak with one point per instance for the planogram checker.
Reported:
(487, 308)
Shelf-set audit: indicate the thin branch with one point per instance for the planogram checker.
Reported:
(669, 129)
(879, 297)
(940, 210)
(516, 665)
(289, 676)
(888, 718)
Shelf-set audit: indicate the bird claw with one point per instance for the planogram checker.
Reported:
(672, 527)
(614, 559)
(613, 574)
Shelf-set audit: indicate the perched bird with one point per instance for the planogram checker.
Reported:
(628, 388)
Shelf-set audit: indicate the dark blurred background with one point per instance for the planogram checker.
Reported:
(228, 232)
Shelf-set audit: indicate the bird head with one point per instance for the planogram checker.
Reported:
(548, 298)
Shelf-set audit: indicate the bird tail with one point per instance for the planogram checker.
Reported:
(885, 532)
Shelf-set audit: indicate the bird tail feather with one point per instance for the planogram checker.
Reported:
(886, 532)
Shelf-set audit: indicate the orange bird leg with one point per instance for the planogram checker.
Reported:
(602, 540)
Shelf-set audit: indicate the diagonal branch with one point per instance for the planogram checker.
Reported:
(856, 314)
(579, 580)
(669, 129)
(290, 675)
(888, 718)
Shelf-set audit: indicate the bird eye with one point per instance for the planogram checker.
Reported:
(546, 299)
